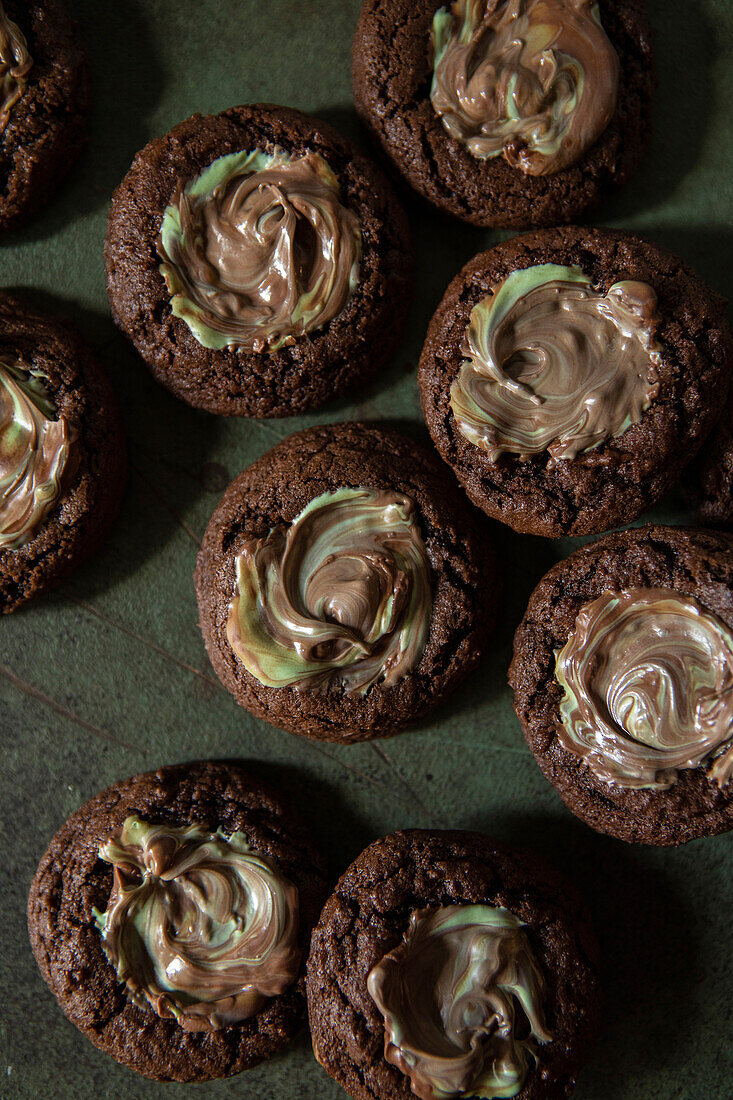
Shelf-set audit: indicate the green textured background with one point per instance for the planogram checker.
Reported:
(108, 676)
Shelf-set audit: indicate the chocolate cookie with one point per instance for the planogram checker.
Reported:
(44, 104)
(343, 590)
(623, 683)
(507, 112)
(568, 375)
(446, 964)
(708, 481)
(62, 452)
(171, 916)
(258, 262)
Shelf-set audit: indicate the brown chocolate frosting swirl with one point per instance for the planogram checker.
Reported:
(553, 364)
(35, 446)
(647, 677)
(342, 594)
(461, 1000)
(532, 80)
(15, 64)
(259, 250)
(198, 926)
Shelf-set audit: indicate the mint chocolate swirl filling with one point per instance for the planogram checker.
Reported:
(258, 250)
(199, 927)
(534, 81)
(552, 364)
(34, 451)
(15, 64)
(341, 594)
(647, 680)
(461, 998)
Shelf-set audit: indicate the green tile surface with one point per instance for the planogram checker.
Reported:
(108, 676)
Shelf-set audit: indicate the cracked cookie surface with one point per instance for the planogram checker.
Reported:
(708, 481)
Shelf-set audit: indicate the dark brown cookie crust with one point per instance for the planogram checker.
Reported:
(368, 914)
(92, 489)
(319, 365)
(48, 125)
(692, 562)
(274, 490)
(392, 77)
(72, 879)
(621, 479)
(708, 481)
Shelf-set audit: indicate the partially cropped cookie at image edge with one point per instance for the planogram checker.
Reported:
(507, 112)
(44, 104)
(171, 916)
(62, 452)
(259, 263)
(570, 374)
(344, 588)
(708, 481)
(446, 964)
(623, 683)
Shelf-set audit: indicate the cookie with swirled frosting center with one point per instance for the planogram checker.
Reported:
(258, 262)
(507, 112)
(44, 104)
(62, 452)
(623, 683)
(177, 944)
(569, 375)
(343, 590)
(447, 965)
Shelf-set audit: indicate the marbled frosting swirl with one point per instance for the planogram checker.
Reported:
(15, 64)
(552, 364)
(647, 679)
(342, 594)
(198, 926)
(35, 446)
(461, 998)
(532, 80)
(258, 250)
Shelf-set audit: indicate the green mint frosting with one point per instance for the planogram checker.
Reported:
(553, 364)
(198, 926)
(533, 80)
(257, 249)
(456, 996)
(34, 450)
(343, 593)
